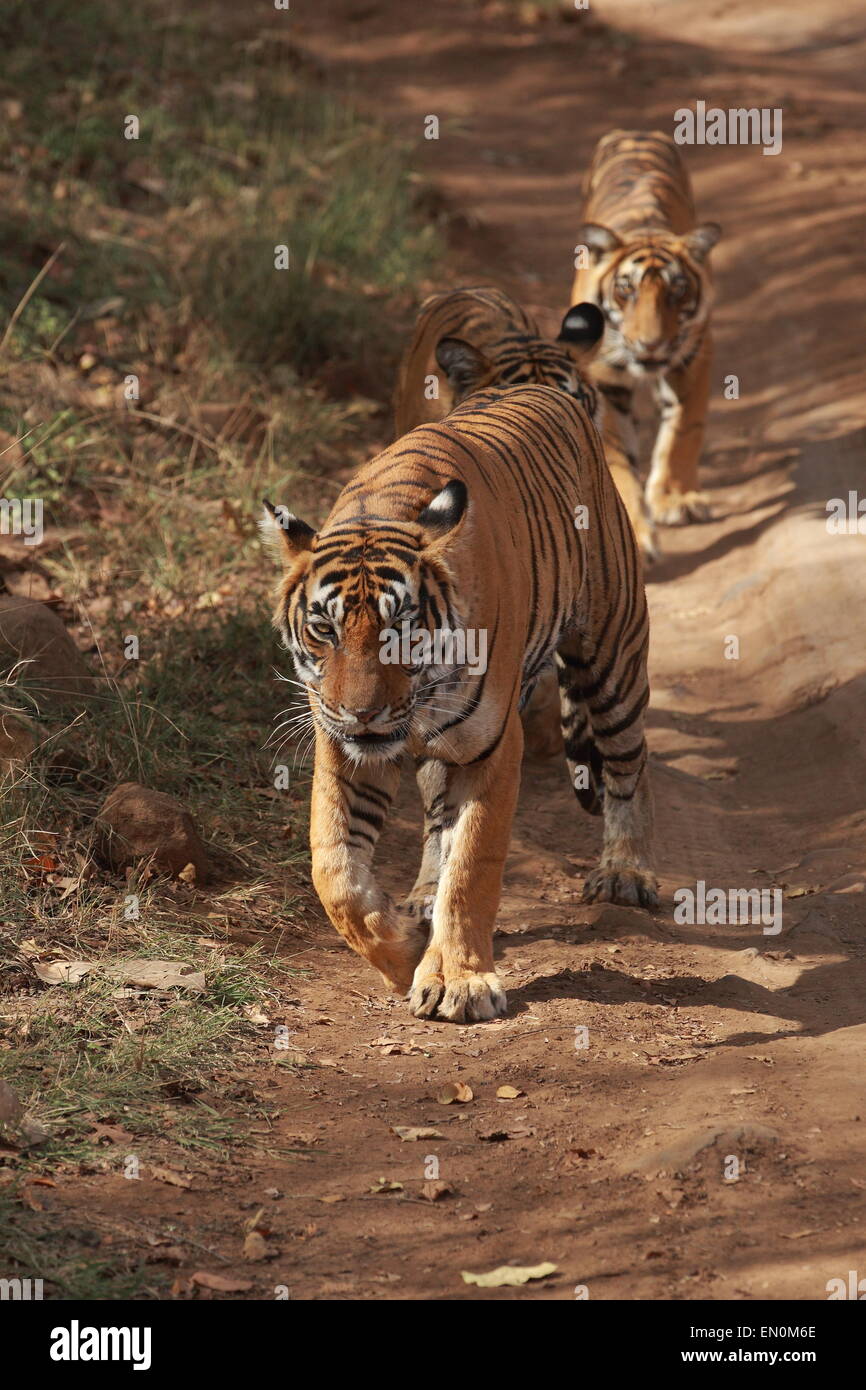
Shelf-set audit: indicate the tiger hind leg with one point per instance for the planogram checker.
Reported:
(584, 761)
(607, 760)
(433, 786)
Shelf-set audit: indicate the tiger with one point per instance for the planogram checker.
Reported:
(500, 521)
(646, 266)
(479, 337)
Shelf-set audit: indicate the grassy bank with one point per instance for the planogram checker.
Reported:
(158, 375)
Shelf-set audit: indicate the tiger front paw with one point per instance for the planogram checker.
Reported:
(624, 884)
(466, 997)
(669, 507)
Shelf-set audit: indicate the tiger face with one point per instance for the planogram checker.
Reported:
(655, 291)
(519, 359)
(347, 593)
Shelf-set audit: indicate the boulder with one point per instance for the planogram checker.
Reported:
(36, 647)
(137, 823)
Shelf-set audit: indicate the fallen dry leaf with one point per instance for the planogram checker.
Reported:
(170, 1176)
(253, 1013)
(391, 1047)
(509, 1093)
(159, 974)
(409, 1135)
(383, 1185)
(455, 1091)
(508, 1275)
(41, 864)
(220, 1283)
(255, 1246)
(62, 972)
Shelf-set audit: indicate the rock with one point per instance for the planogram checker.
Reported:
(35, 645)
(138, 823)
(17, 741)
(11, 1109)
(18, 1129)
(732, 1139)
(848, 883)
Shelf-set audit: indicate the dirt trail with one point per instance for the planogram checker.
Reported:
(758, 762)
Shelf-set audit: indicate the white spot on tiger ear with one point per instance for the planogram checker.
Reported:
(269, 529)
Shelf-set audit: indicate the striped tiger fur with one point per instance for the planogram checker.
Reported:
(473, 524)
(479, 337)
(648, 271)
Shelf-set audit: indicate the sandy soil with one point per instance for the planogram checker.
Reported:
(704, 1041)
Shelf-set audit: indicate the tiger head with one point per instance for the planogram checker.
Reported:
(655, 291)
(346, 593)
(522, 359)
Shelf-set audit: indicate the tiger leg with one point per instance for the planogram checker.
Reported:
(432, 779)
(682, 396)
(621, 453)
(607, 759)
(456, 978)
(583, 758)
(349, 806)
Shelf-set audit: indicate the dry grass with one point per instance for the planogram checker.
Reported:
(154, 260)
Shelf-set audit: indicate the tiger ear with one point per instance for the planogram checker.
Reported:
(582, 326)
(444, 514)
(285, 534)
(464, 366)
(701, 241)
(598, 240)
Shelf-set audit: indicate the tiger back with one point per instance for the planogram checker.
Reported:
(470, 339)
(648, 271)
(500, 523)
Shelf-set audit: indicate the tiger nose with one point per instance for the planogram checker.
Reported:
(366, 716)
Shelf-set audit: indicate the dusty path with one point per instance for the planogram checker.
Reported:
(758, 762)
